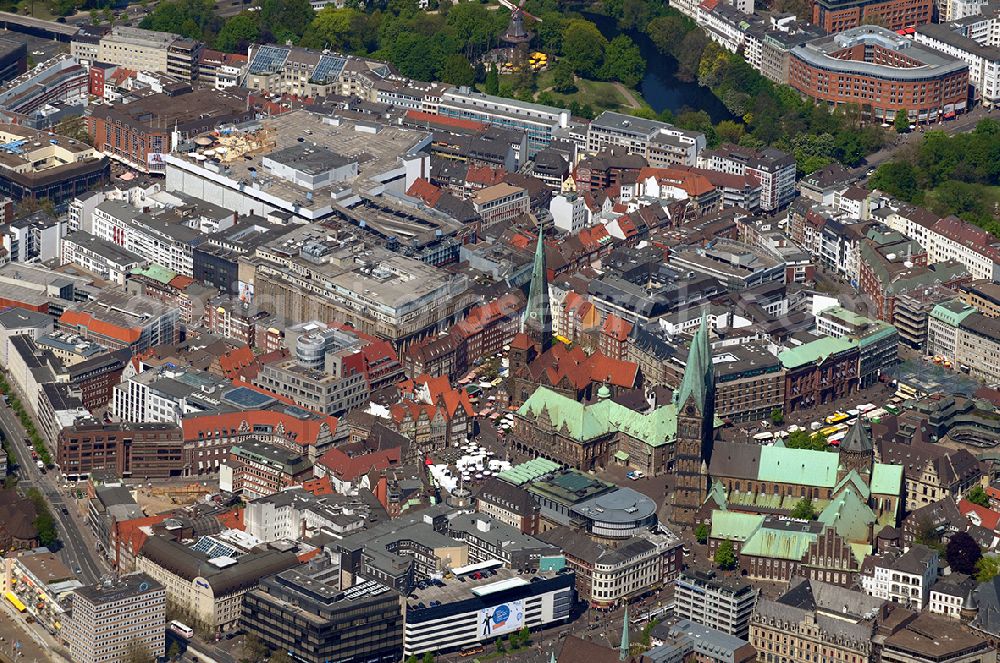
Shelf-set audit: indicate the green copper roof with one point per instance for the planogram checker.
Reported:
(848, 514)
(586, 422)
(156, 272)
(815, 351)
(887, 479)
(803, 466)
(952, 313)
(624, 648)
(718, 493)
(854, 479)
(735, 526)
(778, 544)
(538, 313)
(529, 471)
(699, 375)
(860, 551)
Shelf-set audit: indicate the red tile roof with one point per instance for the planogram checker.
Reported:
(235, 361)
(318, 486)
(988, 518)
(425, 191)
(350, 468)
(80, 319)
(232, 519)
(485, 175)
(616, 327)
(442, 121)
(693, 184)
(303, 431)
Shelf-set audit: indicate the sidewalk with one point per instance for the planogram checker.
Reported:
(34, 647)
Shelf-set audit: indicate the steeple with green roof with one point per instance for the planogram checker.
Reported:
(699, 374)
(537, 322)
(695, 403)
(625, 648)
(857, 452)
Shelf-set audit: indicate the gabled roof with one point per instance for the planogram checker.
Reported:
(849, 515)
(734, 525)
(857, 440)
(979, 515)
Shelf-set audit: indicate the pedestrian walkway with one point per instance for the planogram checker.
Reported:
(17, 643)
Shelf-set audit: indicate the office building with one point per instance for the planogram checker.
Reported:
(453, 615)
(143, 50)
(721, 603)
(773, 169)
(661, 144)
(140, 134)
(500, 203)
(308, 615)
(109, 619)
(142, 450)
(255, 469)
(37, 165)
(982, 57)
(835, 16)
(538, 122)
(611, 573)
(117, 321)
(210, 585)
(106, 259)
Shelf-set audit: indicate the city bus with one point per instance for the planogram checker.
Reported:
(832, 430)
(182, 630)
(837, 417)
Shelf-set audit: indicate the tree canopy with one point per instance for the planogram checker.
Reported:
(725, 556)
(963, 553)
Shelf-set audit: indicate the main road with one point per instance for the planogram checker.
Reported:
(77, 552)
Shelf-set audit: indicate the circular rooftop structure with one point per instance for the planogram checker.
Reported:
(617, 514)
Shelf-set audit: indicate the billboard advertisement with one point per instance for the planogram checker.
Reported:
(501, 619)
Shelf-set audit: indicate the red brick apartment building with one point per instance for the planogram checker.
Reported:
(839, 15)
(881, 72)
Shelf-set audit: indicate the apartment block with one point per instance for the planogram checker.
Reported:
(106, 619)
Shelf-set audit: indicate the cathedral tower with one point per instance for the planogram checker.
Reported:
(695, 401)
(537, 322)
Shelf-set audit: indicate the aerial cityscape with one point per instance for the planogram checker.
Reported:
(543, 331)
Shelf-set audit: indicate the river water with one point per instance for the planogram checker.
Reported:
(660, 87)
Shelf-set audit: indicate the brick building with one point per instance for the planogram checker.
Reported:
(128, 449)
(882, 72)
(839, 15)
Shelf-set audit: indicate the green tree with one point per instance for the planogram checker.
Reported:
(725, 556)
(987, 568)
(963, 553)
(803, 439)
(701, 533)
(254, 649)
(174, 650)
(563, 80)
(238, 32)
(623, 62)
(412, 659)
(978, 496)
(457, 70)
(492, 84)
(730, 131)
(500, 646)
(550, 31)
(428, 657)
(902, 121)
(804, 509)
(897, 179)
(44, 522)
(584, 46)
(777, 417)
(524, 636)
(95, 16)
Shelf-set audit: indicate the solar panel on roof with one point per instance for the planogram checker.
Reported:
(268, 60)
(328, 69)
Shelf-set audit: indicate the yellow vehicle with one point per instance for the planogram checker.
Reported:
(832, 430)
(837, 417)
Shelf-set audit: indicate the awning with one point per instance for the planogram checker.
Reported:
(622, 456)
(14, 601)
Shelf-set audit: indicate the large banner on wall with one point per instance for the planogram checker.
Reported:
(501, 619)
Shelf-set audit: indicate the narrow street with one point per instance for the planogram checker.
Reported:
(78, 546)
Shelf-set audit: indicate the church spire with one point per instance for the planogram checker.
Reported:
(699, 374)
(537, 322)
(625, 648)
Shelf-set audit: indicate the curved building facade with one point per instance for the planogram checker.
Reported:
(882, 73)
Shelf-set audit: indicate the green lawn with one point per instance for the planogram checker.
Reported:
(599, 95)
